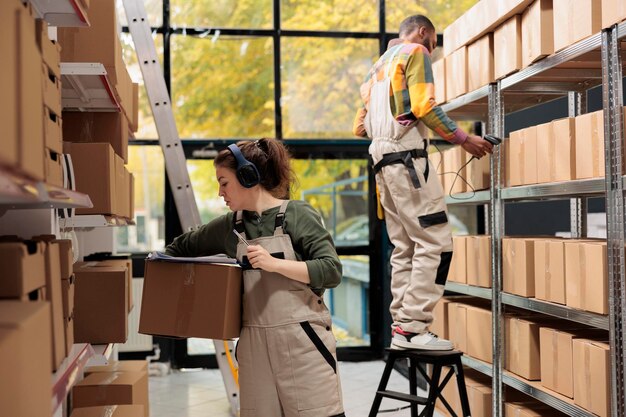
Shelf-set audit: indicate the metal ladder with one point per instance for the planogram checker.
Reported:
(175, 162)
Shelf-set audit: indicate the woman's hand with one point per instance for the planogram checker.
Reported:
(260, 258)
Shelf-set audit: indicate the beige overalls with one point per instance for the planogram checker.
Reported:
(415, 211)
(286, 350)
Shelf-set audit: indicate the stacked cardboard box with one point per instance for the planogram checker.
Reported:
(101, 303)
(26, 386)
(51, 76)
(101, 174)
(21, 109)
(140, 397)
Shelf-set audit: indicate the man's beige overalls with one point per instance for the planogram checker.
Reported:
(415, 211)
(286, 350)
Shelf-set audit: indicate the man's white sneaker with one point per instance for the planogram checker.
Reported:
(424, 341)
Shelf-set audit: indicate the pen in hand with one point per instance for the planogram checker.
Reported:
(244, 241)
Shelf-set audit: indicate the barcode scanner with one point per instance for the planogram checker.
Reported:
(494, 140)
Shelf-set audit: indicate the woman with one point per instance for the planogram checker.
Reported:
(286, 350)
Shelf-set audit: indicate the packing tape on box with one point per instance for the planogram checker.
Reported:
(555, 359)
(587, 373)
(103, 386)
(582, 276)
(185, 301)
(108, 411)
(548, 279)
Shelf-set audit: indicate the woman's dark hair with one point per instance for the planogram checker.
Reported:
(272, 160)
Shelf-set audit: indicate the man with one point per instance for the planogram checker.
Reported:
(398, 97)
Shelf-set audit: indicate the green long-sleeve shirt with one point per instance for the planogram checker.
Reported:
(311, 241)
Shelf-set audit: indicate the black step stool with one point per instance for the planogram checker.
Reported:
(438, 359)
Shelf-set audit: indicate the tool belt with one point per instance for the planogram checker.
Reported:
(406, 158)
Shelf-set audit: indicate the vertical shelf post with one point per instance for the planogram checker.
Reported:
(496, 212)
(612, 103)
(577, 105)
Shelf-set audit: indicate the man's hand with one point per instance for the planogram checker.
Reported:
(477, 146)
(260, 258)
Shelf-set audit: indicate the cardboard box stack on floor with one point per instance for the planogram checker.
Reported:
(100, 139)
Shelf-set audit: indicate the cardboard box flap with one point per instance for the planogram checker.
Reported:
(119, 366)
(110, 411)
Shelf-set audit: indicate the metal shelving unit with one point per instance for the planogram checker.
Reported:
(469, 290)
(90, 221)
(594, 61)
(86, 87)
(532, 388)
(69, 373)
(476, 197)
(20, 192)
(64, 13)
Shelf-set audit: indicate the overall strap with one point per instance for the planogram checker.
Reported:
(280, 218)
(238, 219)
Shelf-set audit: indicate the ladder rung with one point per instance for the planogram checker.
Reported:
(413, 399)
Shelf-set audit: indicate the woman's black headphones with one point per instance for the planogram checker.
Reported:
(247, 172)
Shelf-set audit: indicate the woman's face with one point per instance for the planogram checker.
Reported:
(233, 193)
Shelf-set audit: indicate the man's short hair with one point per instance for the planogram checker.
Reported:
(412, 23)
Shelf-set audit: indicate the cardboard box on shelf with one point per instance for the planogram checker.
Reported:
(521, 337)
(23, 265)
(439, 325)
(575, 20)
(514, 159)
(134, 119)
(128, 265)
(110, 388)
(507, 47)
(478, 256)
(208, 306)
(586, 271)
(537, 31)
(478, 174)
(77, 44)
(458, 270)
(110, 411)
(29, 97)
(529, 409)
(556, 347)
(550, 270)
(545, 153)
(439, 75)
(55, 297)
(613, 11)
(138, 367)
(456, 73)
(68, 291)
(50, 51)
(68, 323)
(121, 202)
(25, 359)
(9, 151)
(480, 63)
(100, 304)
(94, 170)
(479, 333)
(589, 140)
(51, 90)
(53, 131)
(120, 366)
(564, 159)
(479, 394)
(457, 325)
(591, 376)
(518, 266)
(97, 127)
(529, 156)
(54, 169)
